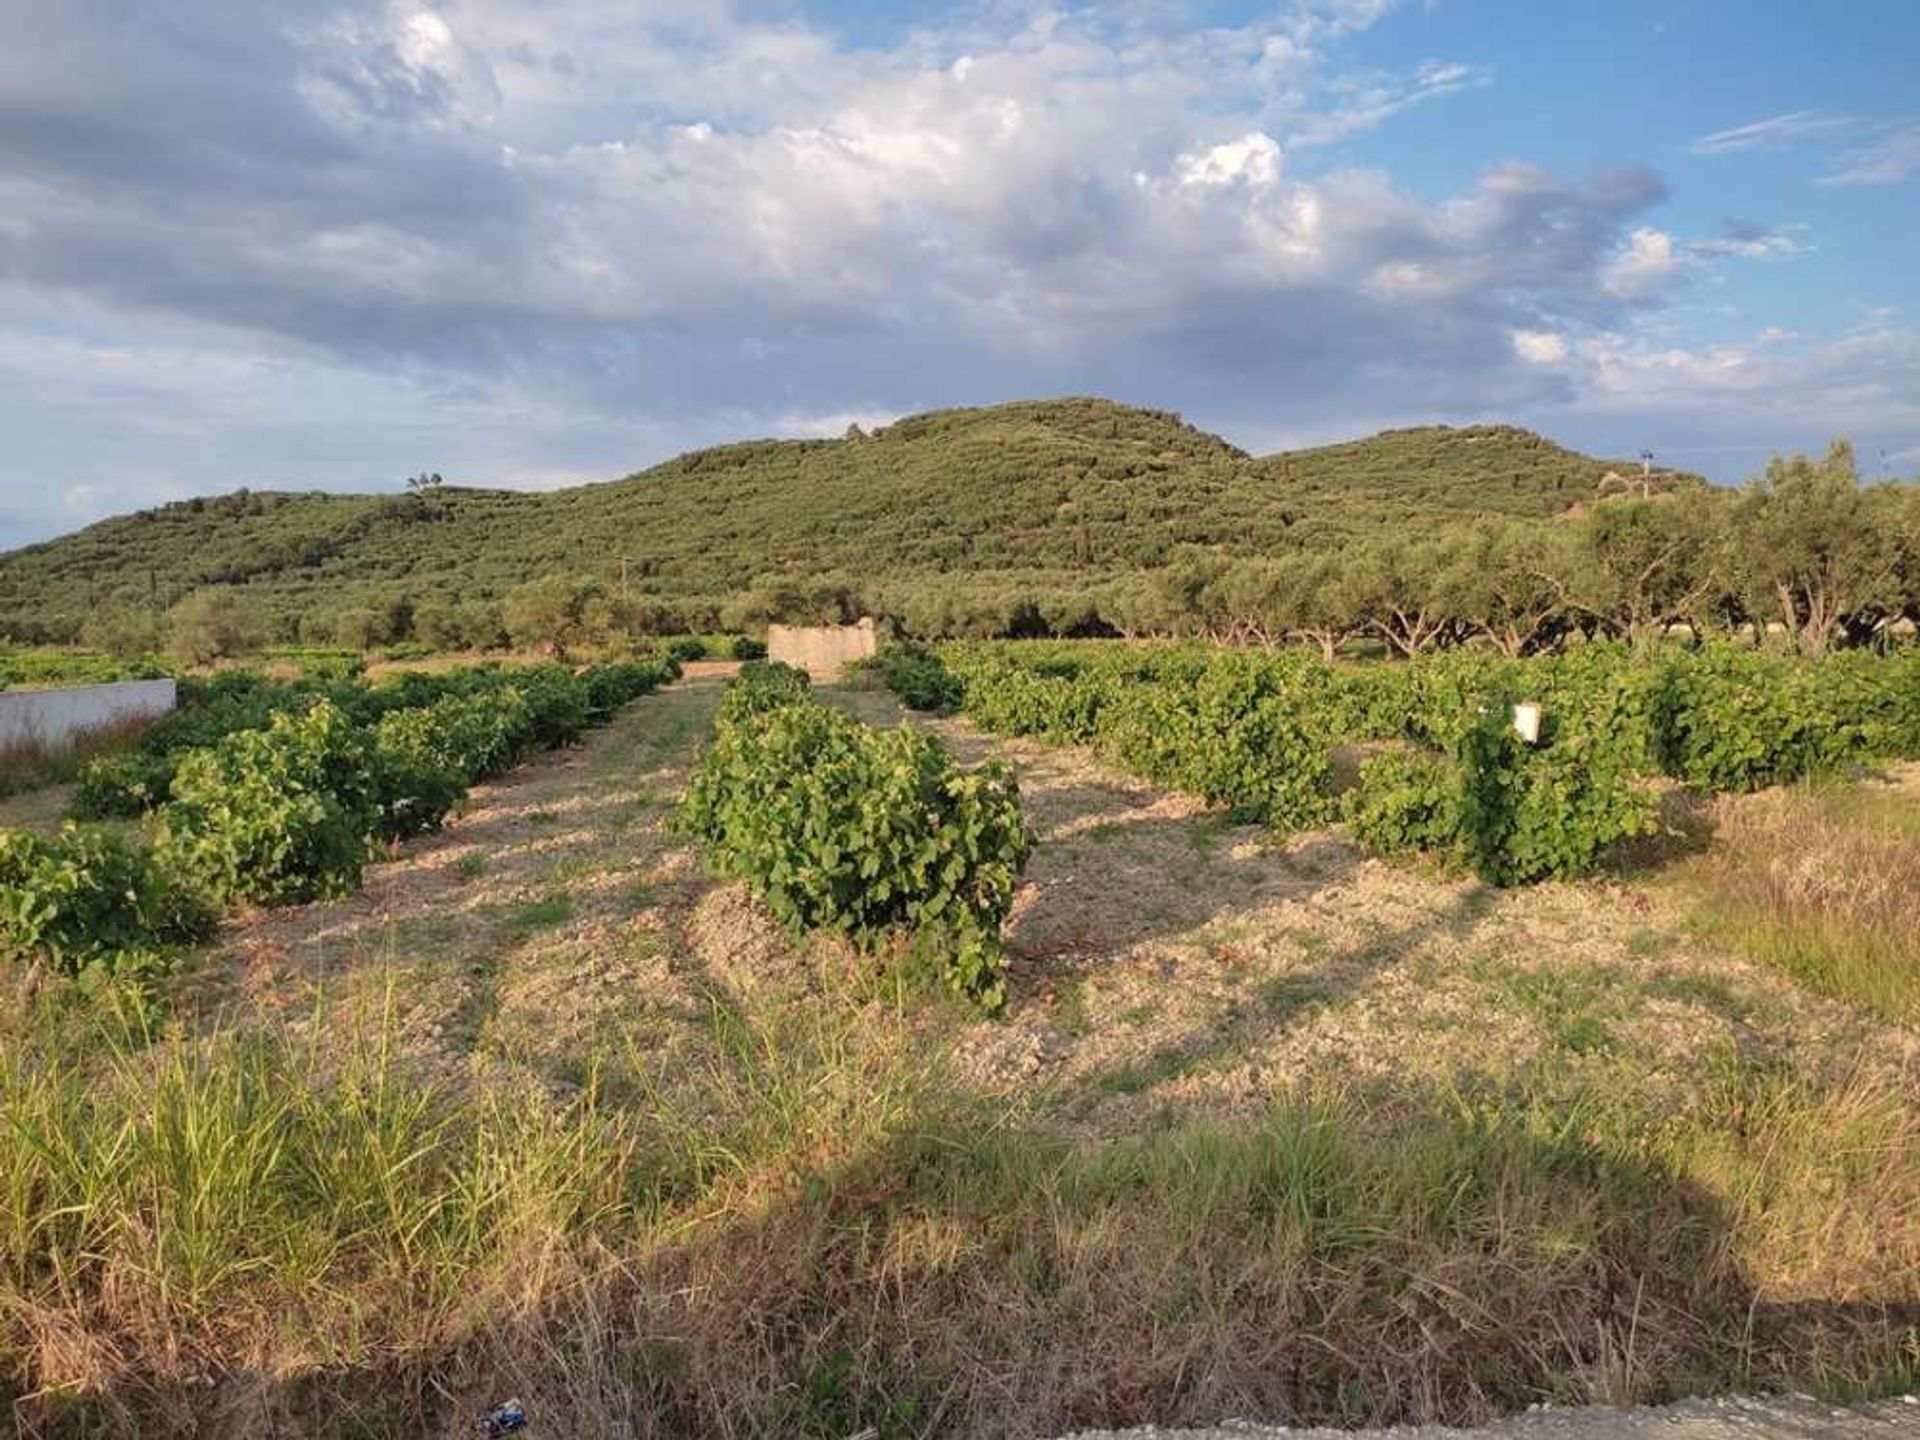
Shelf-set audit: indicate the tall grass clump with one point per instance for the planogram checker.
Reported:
(32, 763)
(809, 1229)
(1823, 883)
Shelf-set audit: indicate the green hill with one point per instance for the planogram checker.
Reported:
(1046, 495)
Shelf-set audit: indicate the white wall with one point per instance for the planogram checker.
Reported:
(823, 651)
(56, 718)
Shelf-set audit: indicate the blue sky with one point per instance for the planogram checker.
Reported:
(329, 243)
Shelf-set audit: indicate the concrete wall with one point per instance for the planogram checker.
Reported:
(55, 719)
(823, 651)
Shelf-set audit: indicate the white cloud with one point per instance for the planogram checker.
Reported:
(1253, 161)
(1866, 382)
(1643, 266)
(1540, 347)
(1866, 151)
(1773, 133)
(1885, 158)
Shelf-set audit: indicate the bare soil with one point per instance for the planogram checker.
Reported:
(1790, 1418)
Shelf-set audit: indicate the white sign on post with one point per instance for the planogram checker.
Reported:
(1526, 722)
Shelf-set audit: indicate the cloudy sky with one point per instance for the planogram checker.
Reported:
(328, 243)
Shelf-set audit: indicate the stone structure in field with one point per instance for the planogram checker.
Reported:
(823, 651)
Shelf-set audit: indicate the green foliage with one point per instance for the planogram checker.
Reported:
(209, 625)
(1407, 800)
(48, 666)
(839, 826)
(1252, 731)
(481, 736)
(128, 785)
(559, 704)
(1737, 719)
(122, 786)
(319, 662)
(557, 613)
(764, 686)
(610, 687)
(418, 755)
(1017, 699)
(279, 814)
(126, 632)
(90, 898)
(1809, 547)
(922, 682)
(269, 791)
(1230, 735)
(1550, 810)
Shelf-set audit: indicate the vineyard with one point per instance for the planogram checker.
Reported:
(1016, 1037)
(1442, 767)
(268, 792)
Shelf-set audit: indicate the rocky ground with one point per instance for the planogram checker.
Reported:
(1795, 1418)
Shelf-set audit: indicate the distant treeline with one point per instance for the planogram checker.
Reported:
(1066, 518)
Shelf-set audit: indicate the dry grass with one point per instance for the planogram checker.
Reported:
(546, 1112)
(1824, 884)
(31, 763)
(818, 1236)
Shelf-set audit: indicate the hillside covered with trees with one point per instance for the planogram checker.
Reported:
(1071, 516)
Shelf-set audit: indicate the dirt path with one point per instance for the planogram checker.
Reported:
(38, 811)
(1166, 960)
(532, 937)
(1785, 1419)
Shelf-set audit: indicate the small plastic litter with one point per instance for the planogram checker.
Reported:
(504, 1419)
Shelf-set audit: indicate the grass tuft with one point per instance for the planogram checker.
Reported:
(1820, 883)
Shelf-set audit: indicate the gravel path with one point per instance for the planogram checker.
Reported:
(1793, 1418)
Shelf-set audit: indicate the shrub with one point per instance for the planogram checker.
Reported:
(1230, 737)
(122, 786)
(277, 814)
(1531, 812)
(1020, 702)
(839, 826)
(745, 647)
(558, 704)
(1407, 801)
(210, 624)
(87, 897)
(417, 775)
(761, 687)
(917, 676)
(1732, 720)
(609, 687)
(1736, 719)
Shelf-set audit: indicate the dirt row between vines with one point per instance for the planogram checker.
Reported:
(1164, 961)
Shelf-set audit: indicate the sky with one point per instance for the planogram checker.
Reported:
(327, 244)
